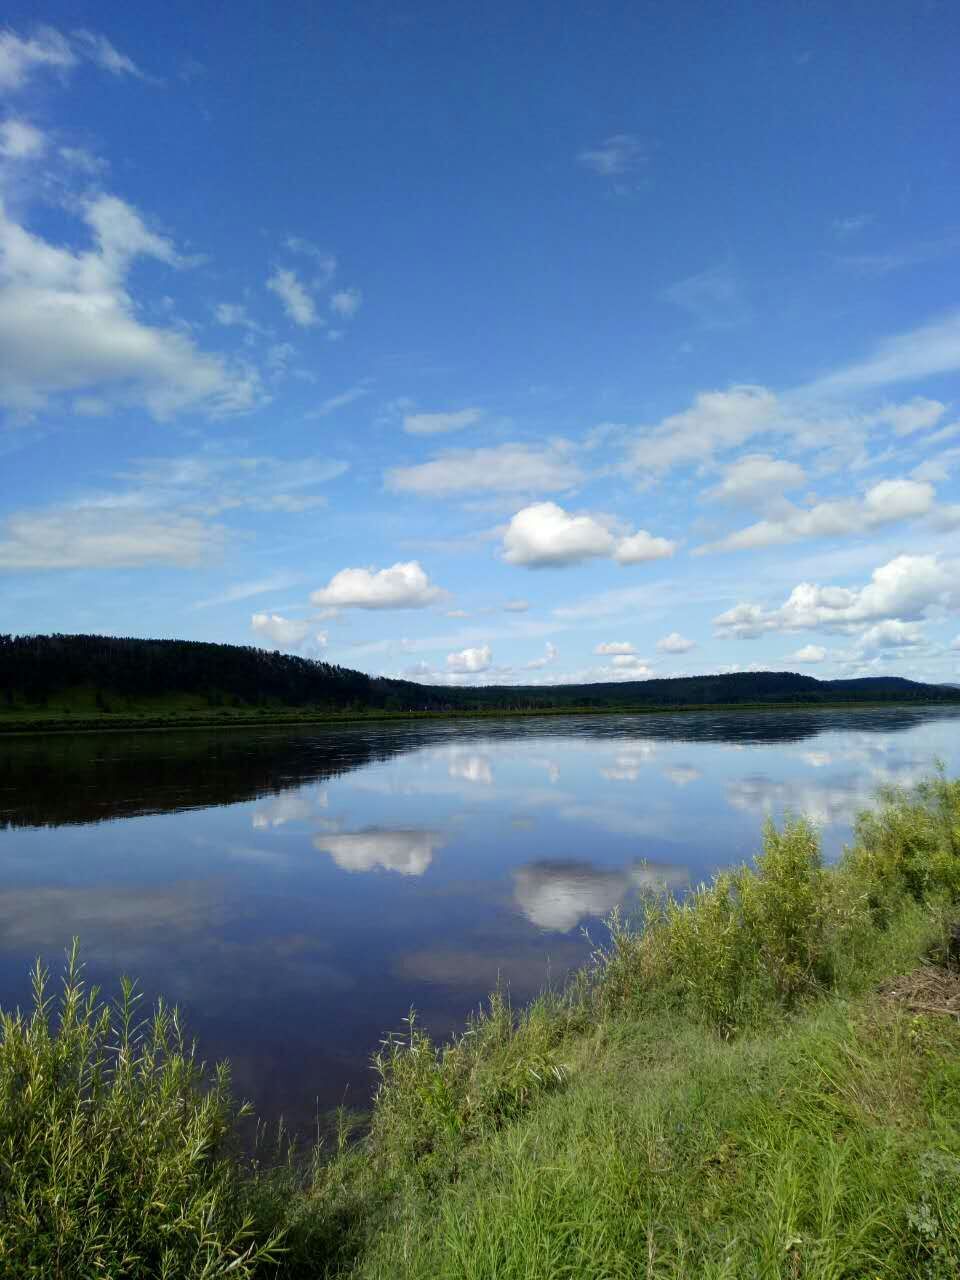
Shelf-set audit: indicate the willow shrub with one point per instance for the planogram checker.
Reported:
(909, 846)
(771, 934)
(114, 1155)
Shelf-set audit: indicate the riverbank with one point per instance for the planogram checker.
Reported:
(14, 723)
(762, 1080)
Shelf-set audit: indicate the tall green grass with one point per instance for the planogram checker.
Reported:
(722, 1092)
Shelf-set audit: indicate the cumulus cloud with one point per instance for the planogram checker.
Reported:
(408, 852)
(20, 140)
(544, 535)
(286, 633)
(506, 468)
(630, 662)
(809, 653)
(615, 646)
(105, 537)
(434, 424)
(906, 588)
(675, 643)
(470, 660)
(402, 586)
(639, 547)
(884, 503)
(890, 634)
(297, 302)
(68, 324)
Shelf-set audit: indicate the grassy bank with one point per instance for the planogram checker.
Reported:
(762, 1080)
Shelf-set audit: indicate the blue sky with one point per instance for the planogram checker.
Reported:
(518, 344)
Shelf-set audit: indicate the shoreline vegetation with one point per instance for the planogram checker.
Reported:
(13, 724)
(74, 684)
(759, 1079)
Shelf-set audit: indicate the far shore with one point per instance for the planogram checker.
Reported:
(13, 724)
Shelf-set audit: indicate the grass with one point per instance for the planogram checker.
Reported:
(762, 1080)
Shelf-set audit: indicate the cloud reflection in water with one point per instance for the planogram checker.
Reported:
(408, 852)
(556, 894)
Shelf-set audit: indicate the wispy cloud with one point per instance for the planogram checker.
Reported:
(715, 298)
(617, 155)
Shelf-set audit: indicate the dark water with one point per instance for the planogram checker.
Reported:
(298, 891)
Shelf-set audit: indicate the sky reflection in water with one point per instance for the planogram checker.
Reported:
(298, 892)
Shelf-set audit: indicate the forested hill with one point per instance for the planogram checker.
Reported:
(103, 674)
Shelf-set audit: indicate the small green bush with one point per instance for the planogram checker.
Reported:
(114, 1155)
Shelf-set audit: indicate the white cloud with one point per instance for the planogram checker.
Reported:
(809, 653)
(325, 262)
(407, 852)
(955, 644)
(215, 482)
(756, 476)
(630, 662)
(297, 302)
(920, 353)
(68, 324)
(516, 606)
(245, 590)
(470, 660)
(551, 653)
(20, 140)
(640, 547)
(906, 588)
(615, 646)
(84, 160)
(717, 420)
(105, 537)
(675, 643)
(545, 535)
(346, 302)
(506, 468)
(232, 313)
(402, 586)
(614, 157)
(918, 414)
(100, 51)
(714, 298)
(433, 424)
(890, 634)
(884, 503)
(339, 401)
(284, 632)
(19, 57)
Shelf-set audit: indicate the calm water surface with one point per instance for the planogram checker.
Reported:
(298, 891)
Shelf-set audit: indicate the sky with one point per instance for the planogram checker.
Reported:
(487, 344)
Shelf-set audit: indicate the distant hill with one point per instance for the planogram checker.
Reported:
(103, 675)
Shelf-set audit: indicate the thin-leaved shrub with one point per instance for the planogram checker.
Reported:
(114, 1156)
